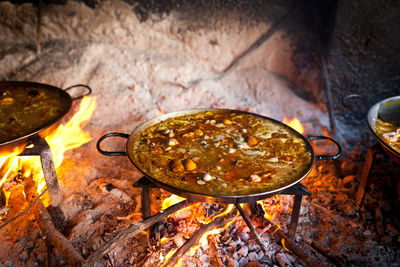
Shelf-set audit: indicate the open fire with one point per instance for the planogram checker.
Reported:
(200, 234)
(15, 169)
(271, 208)
(189, 219)
(281, 59)
(195, 224)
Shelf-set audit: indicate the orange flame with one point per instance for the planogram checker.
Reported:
(228, 209)
(171, 200)
(294, 123)
(271, 207)
(198, 217)
(283, 241)
(203, 240)
(163, 241)
(65, 137)
(167, 257)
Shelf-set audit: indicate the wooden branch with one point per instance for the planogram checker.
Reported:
(133, 230)
(195, 238)
(212, 253)
(335, 259)
(378, 221)
(288, 243)
(282, 259)
(50, 233)
(3, 210)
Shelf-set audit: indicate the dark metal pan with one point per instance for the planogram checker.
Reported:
(373, 115)
(242, 198)
(47, 125)
(383, 110)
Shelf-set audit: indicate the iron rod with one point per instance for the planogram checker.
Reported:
(42, 149)
(294, 219)
(252, 230)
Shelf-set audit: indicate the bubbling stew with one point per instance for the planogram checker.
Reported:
(389, 132)
(25, 110)
(222, 153)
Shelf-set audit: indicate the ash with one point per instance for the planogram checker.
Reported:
(141, 66)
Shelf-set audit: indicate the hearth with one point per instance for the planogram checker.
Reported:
(297, 190)
(285, 60)
(22, 176)
(182, 123)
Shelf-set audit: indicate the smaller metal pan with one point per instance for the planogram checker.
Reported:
(372, 116)
(375, 112)
(218, 198)
(8, 144)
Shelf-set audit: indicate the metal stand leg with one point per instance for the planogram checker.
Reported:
(41, 148)
(366, 170)
(295, 216)
(146, 185)
(252, 229)
(146, 202)
(298, 191)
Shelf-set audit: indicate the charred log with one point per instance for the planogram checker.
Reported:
(53, 237)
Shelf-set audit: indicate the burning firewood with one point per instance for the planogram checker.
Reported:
(289, 244)
(53, 237)
(134, 230)
(218, 222)
(335, 259)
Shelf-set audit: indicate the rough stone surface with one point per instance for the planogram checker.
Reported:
(166, 63)
(363, 59)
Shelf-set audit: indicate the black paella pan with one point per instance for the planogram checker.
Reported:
(29, 108)
(172, 184)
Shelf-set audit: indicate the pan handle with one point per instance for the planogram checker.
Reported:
(111, 153)
(326, 157)
(89, 90)
(348, 103)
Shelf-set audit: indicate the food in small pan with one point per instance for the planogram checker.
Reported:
(25, 110)
(222, 153)
(389, 132)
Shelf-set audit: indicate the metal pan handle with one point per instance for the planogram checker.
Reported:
(348, 103)
(111, 153)
(326, 157)
(89, 90)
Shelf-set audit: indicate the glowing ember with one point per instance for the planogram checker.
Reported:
(65, 137)
(294, 123)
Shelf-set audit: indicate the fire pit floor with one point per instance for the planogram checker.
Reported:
(141, 69)
(100, 207)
